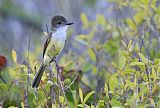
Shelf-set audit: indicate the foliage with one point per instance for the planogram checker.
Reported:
(117, 65)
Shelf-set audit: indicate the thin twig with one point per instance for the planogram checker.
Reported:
(59, 81)
(71, 82)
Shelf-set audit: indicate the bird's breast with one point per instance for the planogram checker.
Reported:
(58, 40)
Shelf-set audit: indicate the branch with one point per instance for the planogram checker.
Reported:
(59, 81)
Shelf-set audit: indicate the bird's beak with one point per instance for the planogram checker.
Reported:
(69, 23)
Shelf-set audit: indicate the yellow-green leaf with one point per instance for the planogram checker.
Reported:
(100, 104)
(124, 44)
(84, 19)
(61, 98)
(14, 56)
(80, 105)
(142, 57)
(129, 45)
(136, 64)
(154, 74)
(131, 24)
(81, 94)
(101, 19)
(92, 106)
(22, 104)
(91, 54)
(113, 82)
(87, 97)
(122, 61)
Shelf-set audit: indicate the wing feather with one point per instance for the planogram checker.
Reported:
(46, 43)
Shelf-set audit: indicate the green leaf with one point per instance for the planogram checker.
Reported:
(87, 97)
(131, 24)
(92, 54)
(115, 102)
(87, 67)
(122, 61)
(70, 98)
(129, 45)
(100, 104)
(137, 64)
(113, 82)
(154, 74)
(67, 81)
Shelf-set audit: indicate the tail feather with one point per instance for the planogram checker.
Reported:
(38, 76)
(2, 79)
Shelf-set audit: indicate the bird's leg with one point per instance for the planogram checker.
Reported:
(52, 59)
(57, 66)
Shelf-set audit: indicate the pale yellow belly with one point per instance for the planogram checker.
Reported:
(54, 48)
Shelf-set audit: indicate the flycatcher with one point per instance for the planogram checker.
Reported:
(53, 45)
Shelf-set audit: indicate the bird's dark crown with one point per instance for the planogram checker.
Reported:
(57, 21)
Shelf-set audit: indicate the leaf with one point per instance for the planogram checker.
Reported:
(106, 90)
(87, 97)
(84, 19)
(92, 54)
(92, 106)
(113, 82)
(12, 107)
(22, 104)
(81, 94)
(101, 19)
(137, 64)
(100, 104)
(131, 24)
(122, 61)
(14, 56)
(115, 65)
(142, 57)
(61, 98)
(86, 67)
(154, 74)
(82, 41)
(71, 96)
(124, 44)
(129, 46)
(80, 105)
(115, 102)
(139, 17)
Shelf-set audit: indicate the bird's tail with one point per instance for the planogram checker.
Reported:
(2, 79)
(38, 76)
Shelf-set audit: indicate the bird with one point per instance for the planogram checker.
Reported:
(53, 45)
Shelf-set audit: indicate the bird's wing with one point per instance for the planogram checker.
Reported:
(46, 43)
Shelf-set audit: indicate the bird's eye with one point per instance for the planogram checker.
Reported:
(59, 23)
